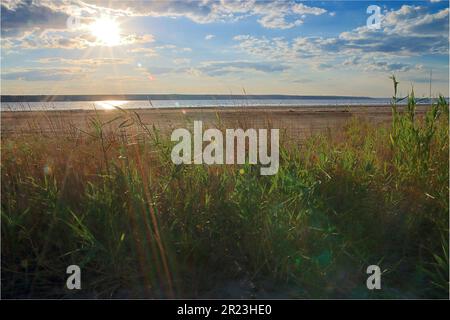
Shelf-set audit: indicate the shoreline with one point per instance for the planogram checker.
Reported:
(298, 122)
(223, 108)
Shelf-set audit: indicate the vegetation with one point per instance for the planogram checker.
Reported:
(140, 226)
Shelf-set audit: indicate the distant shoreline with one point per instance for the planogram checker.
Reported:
(312, 108)
(291, 108)
(130, 97)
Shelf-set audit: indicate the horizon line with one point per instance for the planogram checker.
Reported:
(164, 96)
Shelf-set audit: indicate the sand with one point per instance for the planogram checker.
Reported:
(296, 122)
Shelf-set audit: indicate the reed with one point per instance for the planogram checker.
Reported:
(139, 226)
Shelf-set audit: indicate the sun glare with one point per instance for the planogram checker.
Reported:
(109, 104)
(106, 30)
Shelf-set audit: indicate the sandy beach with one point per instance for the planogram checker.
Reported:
(296, 122)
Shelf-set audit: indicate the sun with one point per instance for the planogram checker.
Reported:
(106, 30)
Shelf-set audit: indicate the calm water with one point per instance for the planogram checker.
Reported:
(138, 104)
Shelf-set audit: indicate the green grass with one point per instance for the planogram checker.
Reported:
(139, 226)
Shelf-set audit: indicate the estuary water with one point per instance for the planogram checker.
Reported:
(183, 103)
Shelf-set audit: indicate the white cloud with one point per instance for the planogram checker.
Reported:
(219, 68)
(181, 60)
(301, 9)
(84, 62)
(147, 52)
(409, 31)
(209, 36)
(65, 40)
(44, 74)
(18, 16)
(283, 14)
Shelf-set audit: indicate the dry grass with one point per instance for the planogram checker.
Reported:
(113, 203)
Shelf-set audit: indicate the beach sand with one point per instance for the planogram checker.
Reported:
(296, 122)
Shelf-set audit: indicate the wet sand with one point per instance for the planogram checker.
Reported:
(297, 122)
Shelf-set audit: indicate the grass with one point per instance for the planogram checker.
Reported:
(139, 226)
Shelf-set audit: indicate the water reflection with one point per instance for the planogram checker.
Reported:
(109, 104)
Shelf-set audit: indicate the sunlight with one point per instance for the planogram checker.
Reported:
(109, 104)
(106, 30)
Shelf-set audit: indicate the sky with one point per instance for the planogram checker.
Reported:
(223, 47)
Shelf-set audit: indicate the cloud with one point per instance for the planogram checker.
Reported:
(162, 70)
(302, 9)
(209, 36)
(279, 48)
(181, 60)
(20, 16)
(146, 52)
(373, 64)
(44, 74)
(166, 46)
(84, 62)
(136, 39)
(173, 48)
(33, 24)
(282, 14)
(407, 32)
(302, 80)
(278, 21)
(414, 20)
(218, 68)
(64, 40)
(37, 40)
(272, 14)
(70, 69)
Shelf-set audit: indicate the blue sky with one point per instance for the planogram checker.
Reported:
(283, 47)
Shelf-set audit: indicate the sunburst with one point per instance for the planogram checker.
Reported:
(107, 31)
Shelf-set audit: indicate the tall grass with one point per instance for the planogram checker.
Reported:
(139, 226)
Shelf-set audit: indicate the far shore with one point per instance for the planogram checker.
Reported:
(298, 122)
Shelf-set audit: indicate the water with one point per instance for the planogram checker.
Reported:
(145, 104)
